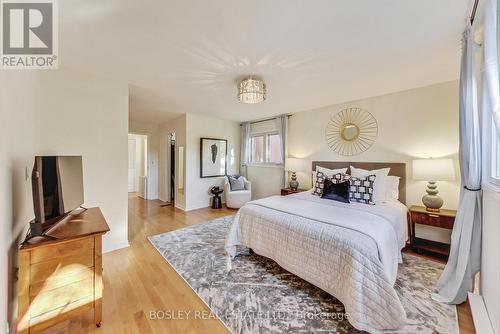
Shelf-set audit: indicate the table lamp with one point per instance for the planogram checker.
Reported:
(432, 170)
(295, 165)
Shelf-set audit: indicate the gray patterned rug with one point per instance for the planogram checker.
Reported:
(258, 296)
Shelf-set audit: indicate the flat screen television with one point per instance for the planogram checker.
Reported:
(57, 188)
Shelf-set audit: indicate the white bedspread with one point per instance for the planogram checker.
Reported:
(349, 250)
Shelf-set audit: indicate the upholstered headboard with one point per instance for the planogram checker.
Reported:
(397, 169)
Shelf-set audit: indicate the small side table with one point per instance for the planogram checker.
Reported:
(442, 219)
(288, 191)
(216, 200)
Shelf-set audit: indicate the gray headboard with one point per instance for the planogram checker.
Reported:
(397, 169)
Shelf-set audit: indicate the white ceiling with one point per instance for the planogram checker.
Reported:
(186, 56)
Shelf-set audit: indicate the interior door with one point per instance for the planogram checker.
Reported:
(132, 145)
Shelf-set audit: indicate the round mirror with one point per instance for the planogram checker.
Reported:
(350, 132)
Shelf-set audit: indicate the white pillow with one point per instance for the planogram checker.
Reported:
(379, 186)
(392, 187)
(331, 172)
(327, 172)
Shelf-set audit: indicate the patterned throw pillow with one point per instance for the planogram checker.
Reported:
(339, 177)
(361, 189)
(319, 183)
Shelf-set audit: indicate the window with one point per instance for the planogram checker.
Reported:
(495, 156)
(257, 149)
(274, 149)
(265, 148)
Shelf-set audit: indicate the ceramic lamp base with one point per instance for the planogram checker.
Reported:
(294, 184)
(432, 201)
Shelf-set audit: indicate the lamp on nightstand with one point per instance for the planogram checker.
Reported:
(295, 165)
(432, 170)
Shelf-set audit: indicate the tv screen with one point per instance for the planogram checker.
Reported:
(57, 186)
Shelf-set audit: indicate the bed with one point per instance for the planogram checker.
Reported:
(350, 250)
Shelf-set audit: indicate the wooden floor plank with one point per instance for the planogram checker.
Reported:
(137, 280)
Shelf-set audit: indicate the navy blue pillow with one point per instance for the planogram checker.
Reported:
(336, 191)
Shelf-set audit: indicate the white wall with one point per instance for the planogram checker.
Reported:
(188, 130)
(76, 114)
(177, 126)
(490, 257)
(56, 113)
(91, 115)
(266, 179)
(140, 154)
(17, 148)
(197, 189)
(152, 131)
(417, 123)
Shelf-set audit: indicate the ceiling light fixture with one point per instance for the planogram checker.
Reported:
(251, 90)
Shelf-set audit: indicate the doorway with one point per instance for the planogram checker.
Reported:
(170, 183)
(137, 165)
(172, 168)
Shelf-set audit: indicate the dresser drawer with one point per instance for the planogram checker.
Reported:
(432, 220)
(62, 266)
(62, 313)
(60, 297)
(52, 252)
(57, 281)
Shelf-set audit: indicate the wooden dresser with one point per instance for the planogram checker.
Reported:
(61, 276)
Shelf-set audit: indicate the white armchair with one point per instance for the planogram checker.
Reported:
(236, 199)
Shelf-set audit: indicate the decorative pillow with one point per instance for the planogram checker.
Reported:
(336, 191)
(340, 177)
(392, 187)
(236, 182)
(329, 172)
(379, 188)
(318, 184)
(320, 180)
(361, 189)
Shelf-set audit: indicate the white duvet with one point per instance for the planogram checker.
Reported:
(349, 250)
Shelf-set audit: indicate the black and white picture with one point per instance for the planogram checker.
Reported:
(213, 158)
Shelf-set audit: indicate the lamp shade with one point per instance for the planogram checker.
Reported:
(433, 170)
(296, 165)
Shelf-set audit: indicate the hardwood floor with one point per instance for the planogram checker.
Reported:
(137, 280)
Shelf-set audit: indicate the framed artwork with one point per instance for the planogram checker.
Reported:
(213, 157)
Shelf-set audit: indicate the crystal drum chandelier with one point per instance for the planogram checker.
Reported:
(251, 90)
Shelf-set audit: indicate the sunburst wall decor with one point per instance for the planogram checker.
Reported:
(351, 131)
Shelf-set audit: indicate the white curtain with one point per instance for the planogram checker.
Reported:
(245, 148)
(464, 260)
(491, 49)
(282, 125)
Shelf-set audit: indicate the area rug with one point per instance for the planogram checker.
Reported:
(252, 294)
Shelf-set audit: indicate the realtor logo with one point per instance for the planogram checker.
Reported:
(29, 34)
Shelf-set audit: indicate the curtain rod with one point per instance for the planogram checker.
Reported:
(474, 10)
(265, 120)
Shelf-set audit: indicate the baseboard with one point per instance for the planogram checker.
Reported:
(482, 322)
(113, 248)
(208, 206)
(180, 207)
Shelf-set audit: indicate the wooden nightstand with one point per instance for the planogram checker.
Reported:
(288, 191)
(443, 219)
